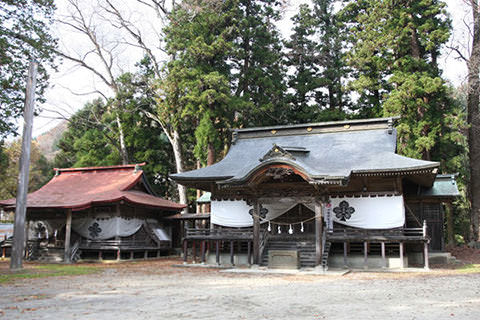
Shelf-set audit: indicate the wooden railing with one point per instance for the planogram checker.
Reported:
(217, 234)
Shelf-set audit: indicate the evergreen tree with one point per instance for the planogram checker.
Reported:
(24, 35)
(258, 61)
(330, 56)
(394, 51)
(196, 90)
(302, 57)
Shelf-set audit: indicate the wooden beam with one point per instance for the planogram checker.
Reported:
(318, 232)
(217, 251)
(232, 262)
(249, 249)
(194, 251)
(345, 255)
(256, 232)
(68, 234)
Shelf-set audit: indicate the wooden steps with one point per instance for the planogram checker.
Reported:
(305, 248)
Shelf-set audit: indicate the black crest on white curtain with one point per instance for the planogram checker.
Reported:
(94, 230)
(263, 212)
(343, 212)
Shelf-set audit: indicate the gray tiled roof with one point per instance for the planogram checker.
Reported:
(328, 155)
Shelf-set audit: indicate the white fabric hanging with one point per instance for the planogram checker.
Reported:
(364, 212)
(103, 227)
(369, 212)
(236, 213)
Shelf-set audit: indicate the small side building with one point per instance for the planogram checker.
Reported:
(97, 212)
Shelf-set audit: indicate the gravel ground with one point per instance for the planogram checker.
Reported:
(156, 290)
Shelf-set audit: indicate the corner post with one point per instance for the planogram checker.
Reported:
(68, 233)
(256, 232)
(318, 231)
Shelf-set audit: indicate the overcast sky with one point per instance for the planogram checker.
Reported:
(71, 80)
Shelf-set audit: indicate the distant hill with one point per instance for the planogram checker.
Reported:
(48, 141)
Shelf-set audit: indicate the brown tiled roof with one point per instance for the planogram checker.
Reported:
(80, 188)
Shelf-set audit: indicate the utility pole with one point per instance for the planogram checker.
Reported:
(22, 188)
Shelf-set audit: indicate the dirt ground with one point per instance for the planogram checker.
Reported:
(157, 290)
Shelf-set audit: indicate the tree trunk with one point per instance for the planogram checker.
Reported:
(473, 120)
(178, 155)
(210, 154)
(121, 136)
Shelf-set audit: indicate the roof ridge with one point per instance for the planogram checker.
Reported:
(319, 124)
(121, 166)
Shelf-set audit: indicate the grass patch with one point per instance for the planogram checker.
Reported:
(470, 268)
(49, 270)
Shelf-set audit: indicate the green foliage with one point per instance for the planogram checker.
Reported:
(24, 35)
(40, 170)
(260, 72)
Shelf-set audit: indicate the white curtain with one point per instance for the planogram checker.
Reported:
(103, 226)
(366, 212)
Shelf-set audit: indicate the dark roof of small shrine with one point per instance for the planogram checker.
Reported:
(81, 188)
(326, 153)
(444, 186)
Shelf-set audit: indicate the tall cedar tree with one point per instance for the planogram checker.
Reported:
(196, 89)
(24, 35)
(395, 50)
(260, 78)
(330, 56)
(304, 81)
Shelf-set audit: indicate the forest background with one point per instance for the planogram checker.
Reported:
(208, 66)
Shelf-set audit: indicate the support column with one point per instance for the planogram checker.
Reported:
(249, 249)
(203, 251)
(450, 233)
(345, 265)
(425, 256)
(217, 252)
(384, 260)
(68, 234)
(256, 232)
(401, 255)
(318, 232)
(365, 254)
(232, 261)
(185, 250)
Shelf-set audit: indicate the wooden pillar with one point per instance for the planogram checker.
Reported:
(145, 254)
(425, 256)
(256, 232)
(158, 253)
(232, 261)
(365, 254)
(194, 251)
(384, 260)
(249, 250)
(217, 251)
(401, 255)
(450, 233)
(318, 232)
(131, 255)
(345, 255)
(185, 250)
(118, 254)
(203, 251)
(68, 234)
(100, 255)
